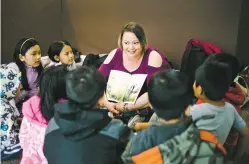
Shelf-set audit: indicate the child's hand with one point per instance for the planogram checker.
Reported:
(187, 111)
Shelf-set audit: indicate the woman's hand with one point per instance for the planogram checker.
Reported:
(104, 103)
(111, 107)
(120, 106)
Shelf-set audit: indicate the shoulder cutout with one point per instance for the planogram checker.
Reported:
(110, 56)
(155, 59)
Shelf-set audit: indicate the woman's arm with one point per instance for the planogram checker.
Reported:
(104, 103)
(141, 103)
(106, 67)
(154, 64)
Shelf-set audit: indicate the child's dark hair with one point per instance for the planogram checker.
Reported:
(77, 54)
(55, 49)
(52, 87)
(229, 59)
(21, 48)
(190, 62)
(169, 93)
(84, 86)
(214, 78)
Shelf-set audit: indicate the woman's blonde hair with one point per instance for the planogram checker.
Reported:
(137, 30)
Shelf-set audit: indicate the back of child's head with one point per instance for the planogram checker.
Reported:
(52, 87)
(214, 78)
(77, 54)
(169, 93)
(10, 79)
(191, 61)
(55, 49)
(229, 59)
(85, 86)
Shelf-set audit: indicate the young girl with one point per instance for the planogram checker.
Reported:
(38, 110)
(10, 87)
(27, 59)
(60, 52)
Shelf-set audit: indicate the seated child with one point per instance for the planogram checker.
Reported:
(212, 81)
(169, 108)
(10, 88)
(60, 52)
(234, 95)
(38, 110)
(80, 132)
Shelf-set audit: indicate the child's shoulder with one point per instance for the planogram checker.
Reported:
(229, 106)
(115, 129)
(200, 106)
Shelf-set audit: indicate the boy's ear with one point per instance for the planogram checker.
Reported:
(56, 57)
(199, 90)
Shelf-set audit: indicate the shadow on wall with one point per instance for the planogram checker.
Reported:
(38, 19)
(93, 26)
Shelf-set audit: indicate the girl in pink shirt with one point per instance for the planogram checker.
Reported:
(38, 110)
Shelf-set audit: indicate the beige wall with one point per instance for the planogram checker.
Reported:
(40, 19)
(169, 24)
(93, 26)
(242, 50)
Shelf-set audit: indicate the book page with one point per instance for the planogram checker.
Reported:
(117, 84)
(134, 88)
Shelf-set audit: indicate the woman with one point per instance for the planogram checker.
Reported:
(134, 57)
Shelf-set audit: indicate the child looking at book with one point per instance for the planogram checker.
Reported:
(61, 52)
(38, 110)
(212, 81)
(80, 132)
(234, 96)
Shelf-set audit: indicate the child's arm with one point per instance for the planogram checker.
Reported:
(23, 132)
(240, 125)
(141, 126)
(242, 144)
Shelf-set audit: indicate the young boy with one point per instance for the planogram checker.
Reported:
(169, 95)
(212, 81)
(80, 132)
(234, 96)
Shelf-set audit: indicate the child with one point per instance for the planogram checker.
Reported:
(10, 88)
(235, 95)
(60, 52)
(80, 132)
(38, 110)
(169, 108)
(27, 59)
(212, 81)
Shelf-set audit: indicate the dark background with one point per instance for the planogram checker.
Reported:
(93, 26)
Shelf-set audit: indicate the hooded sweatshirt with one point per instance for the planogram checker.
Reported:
(79, 136)
(10, 79)
(32, 132)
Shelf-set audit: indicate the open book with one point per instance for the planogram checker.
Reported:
(122, 86)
